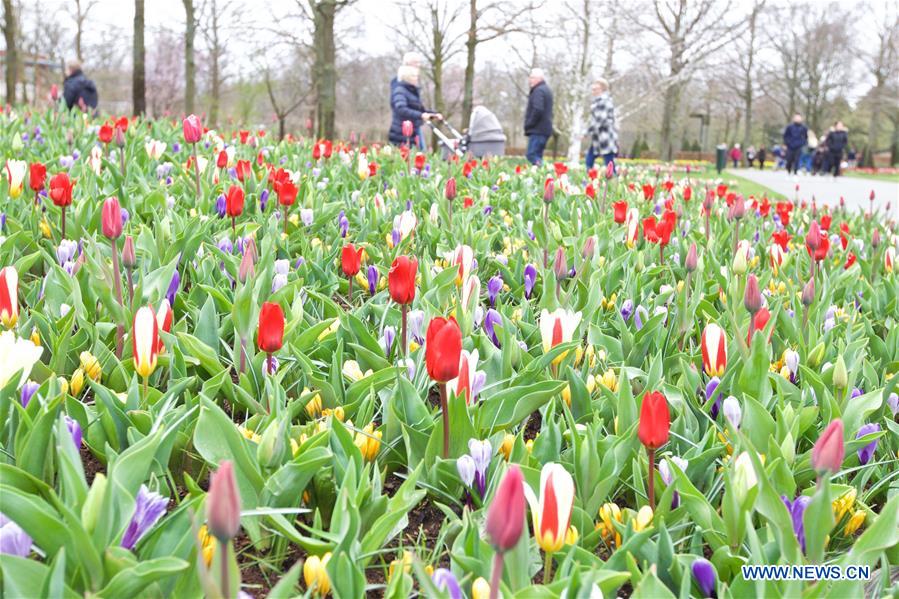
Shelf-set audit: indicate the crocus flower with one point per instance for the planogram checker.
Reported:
(446, 581)
(270, 337)
(466, 468)
(481, 452)
(13, 540)
(173, 287)
(223, 503)
(732, 411)
(443, 349)
(315, 574)
(704, 575)
(373, 278)
(343, 224)
(221, 205)
(627, 308)
(491, 320)
(640, 314)
(710, 389)
(551, 512)
(893, 403)
(556, 328)
(867, 452)
(306, 216)
(28, 391)
(416, 320)
(530, 277)
(828, 452)
(387, 339)
(148, 509)
(796, 508)
(494, 286)
(74, 431)
(145, 340)
(714, 349)
(9, 296)
(668, 476)
(66, 250)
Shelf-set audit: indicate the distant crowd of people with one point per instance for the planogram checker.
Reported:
(802, 150)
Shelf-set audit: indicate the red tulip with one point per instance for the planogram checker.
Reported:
(351, 259)
(271, 327)
(649, 230)
(234, 201)
(549, 190)
(505, 516)
(450, 190)
(655, 420)
(828, 452)
(813, 238)
(443, 346)
(122, 123)
(620, 211)
(408, 128)
(688, 193)
(192, 128)
(782, 238)
(825, 222)
(287, 193)
(112, 218)
(401, 279)
(759, 322)
(38, 177)
(590, 191)
(242, 169)
(721, 191)
(223, 504)
(648, 191)
(105, 133)
(419, 161)
(752, 297)
(61, 189)
(849, 261)
(222, 160)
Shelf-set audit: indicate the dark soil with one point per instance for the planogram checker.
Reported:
(256, 574)
(91, 464)
(625, 591)
(434, 396)
(532, 428)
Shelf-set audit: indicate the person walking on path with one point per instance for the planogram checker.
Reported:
(410, 59)
(763, 153)
(538, 116)
(77, 89)
(807, 155)
(837, 140)
(735, 155)
(795, 137)
(603, 131)
(407, 106)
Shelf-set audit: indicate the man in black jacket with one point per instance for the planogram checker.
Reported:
(538, 117)
(78, 90)
(837, 140)
(795, 138)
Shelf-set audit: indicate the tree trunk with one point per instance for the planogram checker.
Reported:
(214, 67)
(12, 55)
(471, 45)
(190, 67)
(669, 116)
(324, 13)
(138, 81)
(79, 29)
(747, 81)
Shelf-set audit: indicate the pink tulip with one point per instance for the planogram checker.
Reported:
(827, 454)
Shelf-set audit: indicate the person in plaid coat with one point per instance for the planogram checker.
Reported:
(603, 131)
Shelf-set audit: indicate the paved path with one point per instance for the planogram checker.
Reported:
(827, 189)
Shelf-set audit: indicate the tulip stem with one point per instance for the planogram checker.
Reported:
(225, 580)
(63, 224)
(445, 408)
(497, 576)
(130, 288)
(196, 171)
(234, 226)
(243, 355)
(547, 567)
(651, 482)
(349, 297)
(403, 310)
(270, 364)
(286, 208)
(117, 278)
(146, 388)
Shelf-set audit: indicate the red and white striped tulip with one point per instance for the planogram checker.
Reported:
(889, 259)
(632, 224)
(776, 256)
(470, 380)
(551, 512)
(558, 327)
(9, 296)
(463, 258)
(164, 317)
(714, 350)
(144, 341)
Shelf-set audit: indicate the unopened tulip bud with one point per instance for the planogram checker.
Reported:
(813, 237)
(247, 269)
(91, 508)
(692, 259)
(828, 452)
(450, 189)
(739, 209)
(120, 137)
(505, 516)
(752, 299)
(808, 293)
(560, 266)
(223, 503)
(549, 191)
(589, 247)
(875, 239)
(128, 257)
(840, 375)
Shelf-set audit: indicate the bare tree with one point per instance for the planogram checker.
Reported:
(165, 72)
(82, 9)
(190, 66)
(138, 78)
(746, 60)
(12, 57)
(289, 92)
(882, 64)
(692, 30)
(214, 22)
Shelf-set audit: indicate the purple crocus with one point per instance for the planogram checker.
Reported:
(481, 452)
(530, 278)
(867, 452)
(75, 431)
(270, 366)
(125, 216)
(28, 391)
(893, 403)
(148, 509)
(387, 339)
(343, 223)
(13, 540)
(856, 392)
(415, 321)
(710, 389)
(373, 278)
(220, 205)
(66, 250)
(488, 210)
(668, 476)
(627, 309)
(396, 237)
(797, 509)
(225, 245)
(173, 287)
(494, 286)
(176, 147)
(491, 319)
(263, 200)
(466, 468)
(704, 575)
(445, 581)
(639, 315)
(278, 281)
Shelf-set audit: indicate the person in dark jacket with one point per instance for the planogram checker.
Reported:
(837, 140)
(78, 90)
(410, 59)
(538, 116)
(763, 153)
(406, 105)
(795, 138)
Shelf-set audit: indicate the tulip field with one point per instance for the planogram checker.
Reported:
(232, 366)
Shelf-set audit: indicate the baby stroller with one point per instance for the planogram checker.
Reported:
(484, 136)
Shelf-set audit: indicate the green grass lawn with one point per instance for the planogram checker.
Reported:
(739, 184)
(877, 177)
